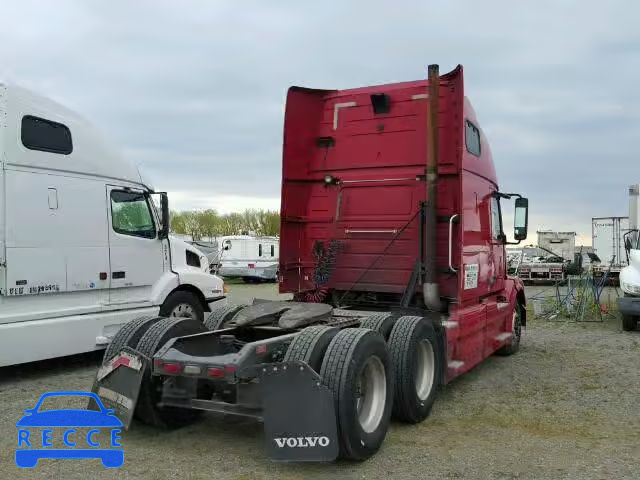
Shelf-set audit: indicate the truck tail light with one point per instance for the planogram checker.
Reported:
(215, 372)
(251, 265)
(171, 368)
(221, 372)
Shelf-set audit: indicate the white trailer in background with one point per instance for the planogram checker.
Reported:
(608, 243)
(83, 247)
(254, 259)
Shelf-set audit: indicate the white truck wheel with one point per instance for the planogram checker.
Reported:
(183, 304)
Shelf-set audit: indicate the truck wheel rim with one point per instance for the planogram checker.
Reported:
(371, 394)
(183, 310)
(425, 361)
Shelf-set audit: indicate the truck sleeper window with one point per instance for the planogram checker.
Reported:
(44, 135)
(131, 215)
(472, 138)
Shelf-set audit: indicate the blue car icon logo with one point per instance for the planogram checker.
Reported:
(35, 433)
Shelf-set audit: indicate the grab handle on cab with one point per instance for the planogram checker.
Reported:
(451, 219)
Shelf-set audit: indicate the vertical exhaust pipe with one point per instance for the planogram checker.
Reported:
(634, 193)
(634, 196)
(430, 289)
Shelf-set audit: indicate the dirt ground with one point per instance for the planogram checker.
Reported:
(567, 406)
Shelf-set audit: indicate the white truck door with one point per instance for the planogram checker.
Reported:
(56, 250)
(135, 251)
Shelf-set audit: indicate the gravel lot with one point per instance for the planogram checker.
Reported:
(566, 406)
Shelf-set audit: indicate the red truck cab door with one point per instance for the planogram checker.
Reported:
(496, 301)
(477, 320)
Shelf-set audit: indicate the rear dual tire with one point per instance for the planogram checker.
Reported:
(217, 318)
(147, 409)
(380, 322)
(129, 335)
(310, 345)
(354, 364)
(371, 379)
(358, 371)
(414, 352)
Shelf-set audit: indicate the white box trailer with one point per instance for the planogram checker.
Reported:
(83, 246)
(607, 241)
(563, 244)
(607, 237)
(249, 257)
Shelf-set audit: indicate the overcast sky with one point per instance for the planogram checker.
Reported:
(193, 90)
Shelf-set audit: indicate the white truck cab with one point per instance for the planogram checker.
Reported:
(84, 244)
(629, 304)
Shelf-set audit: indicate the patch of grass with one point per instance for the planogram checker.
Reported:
(589, 371)
(539, 424)
(590, 386)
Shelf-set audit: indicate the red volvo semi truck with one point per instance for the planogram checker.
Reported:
(393, 246)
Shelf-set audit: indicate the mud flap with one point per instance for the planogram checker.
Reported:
(299, 416)
(118, 383)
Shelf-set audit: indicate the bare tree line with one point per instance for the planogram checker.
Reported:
(206, 224)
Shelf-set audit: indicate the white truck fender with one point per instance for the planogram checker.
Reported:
(210, 286)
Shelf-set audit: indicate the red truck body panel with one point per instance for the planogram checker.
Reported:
(376, 156)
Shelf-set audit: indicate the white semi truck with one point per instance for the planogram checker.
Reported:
(629, 305)
(84, 244)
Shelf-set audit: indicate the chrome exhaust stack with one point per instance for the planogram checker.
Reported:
(430, 288)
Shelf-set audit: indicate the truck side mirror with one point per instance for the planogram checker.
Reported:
(164, 208)
(521, 219)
